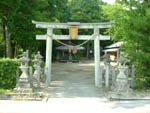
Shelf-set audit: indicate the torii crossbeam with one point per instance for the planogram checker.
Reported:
(50, 36)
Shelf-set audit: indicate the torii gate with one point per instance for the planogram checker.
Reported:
(50, 36)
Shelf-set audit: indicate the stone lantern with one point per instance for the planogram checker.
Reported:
(121, 83)
(23, 84)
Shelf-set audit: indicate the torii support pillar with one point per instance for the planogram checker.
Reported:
(48, 55)
(98, 75)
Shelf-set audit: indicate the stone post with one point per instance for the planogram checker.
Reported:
(133, 76)
(107, 69)
(113, 75)
(38, 76)
(30, 74)
(36, 64)
(45, 75)
(107, 75)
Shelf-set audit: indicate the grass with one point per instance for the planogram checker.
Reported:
(5, 91)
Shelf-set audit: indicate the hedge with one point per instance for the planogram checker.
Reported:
(8, 73)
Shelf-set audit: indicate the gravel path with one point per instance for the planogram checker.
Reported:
(73, 80)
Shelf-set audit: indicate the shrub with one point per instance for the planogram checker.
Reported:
(8, 73)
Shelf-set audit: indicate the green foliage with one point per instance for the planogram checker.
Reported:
(8, 9)
(5, 91)
(8, 73)
(2, 45)
(86, 11)
(132, 26)
(21, 27)
(77, 57)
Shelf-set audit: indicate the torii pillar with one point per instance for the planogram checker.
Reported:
(49, 55)
(98, 75)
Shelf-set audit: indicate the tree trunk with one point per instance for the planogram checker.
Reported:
(8, 44)
(16, 51)
(4, 35)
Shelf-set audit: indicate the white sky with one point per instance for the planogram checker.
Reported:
(109, 1)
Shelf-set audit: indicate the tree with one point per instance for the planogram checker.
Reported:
(132, 27)
(7, 10)
(17, 21)
(22, 29)
(86, 11)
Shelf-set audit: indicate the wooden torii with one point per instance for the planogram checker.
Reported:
(50, 36)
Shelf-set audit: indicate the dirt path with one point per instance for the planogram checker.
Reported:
(73, 80)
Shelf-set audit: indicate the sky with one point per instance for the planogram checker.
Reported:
(109, 1)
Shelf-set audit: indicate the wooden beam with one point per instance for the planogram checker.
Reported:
(66, 37)
(66, 26)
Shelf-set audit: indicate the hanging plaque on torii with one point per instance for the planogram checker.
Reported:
(73, 30)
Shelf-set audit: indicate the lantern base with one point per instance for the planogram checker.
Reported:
(23, 86)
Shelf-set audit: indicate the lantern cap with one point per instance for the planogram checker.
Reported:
(24, 58)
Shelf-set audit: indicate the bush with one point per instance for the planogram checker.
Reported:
(8, 73)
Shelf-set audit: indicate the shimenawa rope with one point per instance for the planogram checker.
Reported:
(71, 46)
